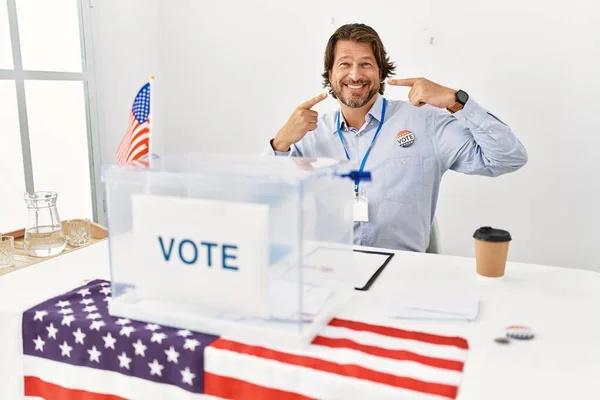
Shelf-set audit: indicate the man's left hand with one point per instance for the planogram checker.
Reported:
(425, 91)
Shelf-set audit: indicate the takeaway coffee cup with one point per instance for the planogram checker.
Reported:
(491, 251)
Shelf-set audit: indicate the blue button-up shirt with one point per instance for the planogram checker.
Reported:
(405, 180)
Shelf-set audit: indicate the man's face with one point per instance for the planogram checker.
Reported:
(355, 75)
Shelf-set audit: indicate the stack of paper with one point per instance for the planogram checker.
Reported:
(433, 306)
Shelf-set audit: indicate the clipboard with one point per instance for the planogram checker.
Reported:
(364, 276)
(374, 277)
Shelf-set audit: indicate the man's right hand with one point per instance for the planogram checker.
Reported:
(302, 120)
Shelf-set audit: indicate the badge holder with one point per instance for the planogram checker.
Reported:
(361, 208)
(360, 204)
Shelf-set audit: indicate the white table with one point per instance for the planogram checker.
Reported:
(561, 305)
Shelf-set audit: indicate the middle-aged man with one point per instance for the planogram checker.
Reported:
(406, 147)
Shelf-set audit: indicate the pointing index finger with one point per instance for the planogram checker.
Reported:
(403, 82)
(307, 105)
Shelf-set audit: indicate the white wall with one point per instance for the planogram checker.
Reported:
(124, 50)
(125, 37)
(228, 77)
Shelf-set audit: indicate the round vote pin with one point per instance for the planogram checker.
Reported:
(405, 138)
(519, 332)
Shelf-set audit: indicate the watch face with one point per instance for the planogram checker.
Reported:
(462, 97)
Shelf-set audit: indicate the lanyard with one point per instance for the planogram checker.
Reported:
(364, 160)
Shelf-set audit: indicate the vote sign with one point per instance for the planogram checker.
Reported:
(209, 253)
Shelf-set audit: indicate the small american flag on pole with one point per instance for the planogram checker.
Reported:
(135, 145)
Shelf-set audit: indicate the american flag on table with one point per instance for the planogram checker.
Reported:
(135, 145)
(73, 349)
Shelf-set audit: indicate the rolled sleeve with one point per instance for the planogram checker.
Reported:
(474, 141)
(480, 120)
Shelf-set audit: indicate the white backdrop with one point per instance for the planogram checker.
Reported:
(125, 47)
(229, 75)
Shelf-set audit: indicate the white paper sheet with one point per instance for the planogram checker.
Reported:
(433, 306)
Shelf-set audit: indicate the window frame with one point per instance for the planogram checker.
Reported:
(86, 76)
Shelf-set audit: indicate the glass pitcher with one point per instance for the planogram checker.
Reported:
(44, 235)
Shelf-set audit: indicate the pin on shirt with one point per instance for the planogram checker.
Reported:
(405, 138)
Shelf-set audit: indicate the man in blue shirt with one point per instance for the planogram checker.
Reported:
(407, 146)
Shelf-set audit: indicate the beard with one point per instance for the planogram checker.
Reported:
(354, 100)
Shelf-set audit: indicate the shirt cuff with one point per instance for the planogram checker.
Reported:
(472, 113)
(278, 153)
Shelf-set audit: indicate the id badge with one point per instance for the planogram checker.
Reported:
(361, 209)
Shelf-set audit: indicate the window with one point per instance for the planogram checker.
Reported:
(6, 61)
(45, 126)
(12, 184)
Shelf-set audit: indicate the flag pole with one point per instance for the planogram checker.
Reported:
(150, 122)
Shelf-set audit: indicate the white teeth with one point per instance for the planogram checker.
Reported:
(355, 86)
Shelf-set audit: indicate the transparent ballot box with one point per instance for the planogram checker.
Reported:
(257, 248)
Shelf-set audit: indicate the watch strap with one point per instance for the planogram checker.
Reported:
(455, 107)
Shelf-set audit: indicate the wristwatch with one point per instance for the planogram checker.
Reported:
(461, 98)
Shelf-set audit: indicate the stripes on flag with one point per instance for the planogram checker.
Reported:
(36, 387)
(53, 380)
(136, 142)
(347, 360)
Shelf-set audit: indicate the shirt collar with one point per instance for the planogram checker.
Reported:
(374, 112)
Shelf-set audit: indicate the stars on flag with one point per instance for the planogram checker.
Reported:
(191, 344)
(140, 348)
(65, 349)
(89, 309)
(94, 316)
(94, 354)
(51, 331)
(79, 336)
(124, 361)
(109, 341)
(105, 290)
(158, 337)
(96, 325)
(127, 331)
(155, 368)
(39, 315)
(67, 319)
(187, 376)
(184, 333)
(172, 355)
(152, 327)
(77, 329)
(39, 343)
